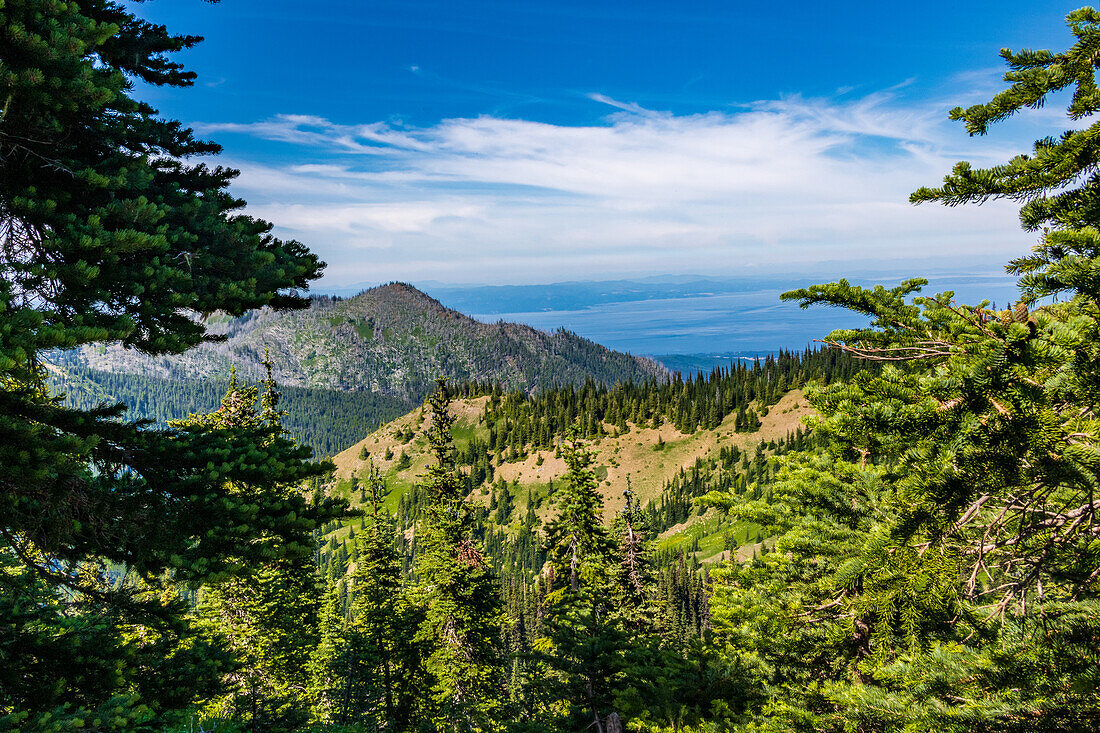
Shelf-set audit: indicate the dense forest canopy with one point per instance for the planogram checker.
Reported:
(925, 556)
(326, 420)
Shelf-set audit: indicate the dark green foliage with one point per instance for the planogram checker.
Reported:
(95, 661)
(607, 649)
(583, 649)
(926, 560)
(578, 545)
(456, 594)
(652, 614)
(681, 600)
(108, 232)
(383, 625)
(520, 422)
(325, 420)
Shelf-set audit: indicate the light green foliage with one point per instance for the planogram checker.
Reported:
(90, 662)
(366, 671)
(935, 565)
(266, 613)
(330, 688)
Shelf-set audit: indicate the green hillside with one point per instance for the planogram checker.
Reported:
(666, 442)
(666, 468)
(669, 442)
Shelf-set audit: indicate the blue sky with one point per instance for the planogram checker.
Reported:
(519, 142)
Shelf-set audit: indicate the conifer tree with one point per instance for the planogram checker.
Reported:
(266, 613)
(386, 662)
(935, 565)
(577, 541)
(633, 577)
(584, 644)
(456, 594)
(330, 678)
(110, 232)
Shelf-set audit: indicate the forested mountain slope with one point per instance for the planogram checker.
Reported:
(391, 340)
(657, 445)
(326, 420)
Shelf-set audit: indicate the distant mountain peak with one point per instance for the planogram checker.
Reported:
(392, 339)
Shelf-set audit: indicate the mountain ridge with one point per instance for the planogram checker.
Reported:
(392, 340)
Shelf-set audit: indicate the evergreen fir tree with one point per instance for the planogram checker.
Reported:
(584, 644)
(110, 232)
(266, 613)
(386, 662)
(934, 566)
(456, 594)
(577, 541)
(329, 662)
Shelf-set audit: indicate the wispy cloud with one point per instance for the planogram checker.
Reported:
(770, 184)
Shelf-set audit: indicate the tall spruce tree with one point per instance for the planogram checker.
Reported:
(456, 594)
(331, 681)
(386, 664)
(578, 544)
(584, 644)
(109, 233)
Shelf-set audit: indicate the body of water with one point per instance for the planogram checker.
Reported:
(749, 322)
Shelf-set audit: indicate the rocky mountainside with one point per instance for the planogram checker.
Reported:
(392, 340)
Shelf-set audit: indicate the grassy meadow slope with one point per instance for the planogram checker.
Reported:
(647, 458)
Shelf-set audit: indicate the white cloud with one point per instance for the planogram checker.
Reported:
(509, 200)
(411, 217)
